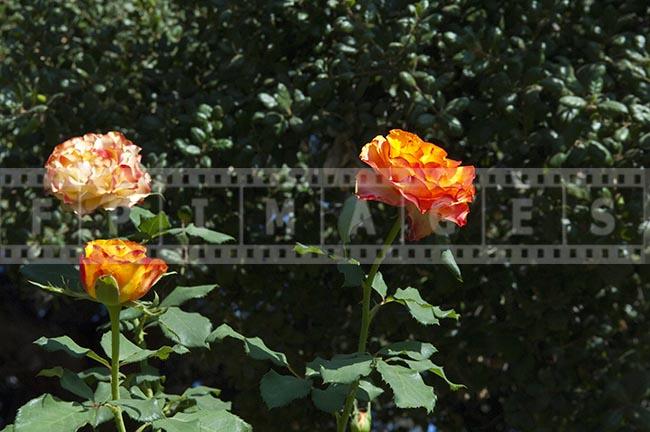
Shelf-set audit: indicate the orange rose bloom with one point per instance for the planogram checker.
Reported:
(126, 261)
(97, 171)
(408, 171)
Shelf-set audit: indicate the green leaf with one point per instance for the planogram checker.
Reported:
(142, 410)
(103, 392)
(644, 142)
(207, 234)
(419, 309)
(64, 343)
(612, 107)
(46, 413)
(379, 285)
(454, 126)
(283, 98)
(408, 79)
(641, 113)
(99, 414)
(368, 391)
(181, 294)
(352, 274)
(206, 398)
(223, 144)
(267, 100)
(458, 105)
(422, 311)
(129, 313)
(186, 328)
(153, 226)
(438, 370)
(149, 374)
(137, 214)
(177, 424)
(312, 368)
(69, 381)
(255, 347)
(573, 101)
(345, 219)
(278, 390)
(427, 365)
(415, 365)
(345, 368)
(191, 149)
(131, 353)
(199, 136)
(413, 349)
(127, 348)
(220, 421)
(203, 421)
(161, 353)
(9, 428)
(302, 249)
(97, 373)
(448, 260)
(331, 399)
(409, 389)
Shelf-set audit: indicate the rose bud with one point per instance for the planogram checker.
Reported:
(407, 171)
(97, 171)
(121, 265)
(361, 421)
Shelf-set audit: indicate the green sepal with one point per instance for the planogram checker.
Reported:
(107, 291)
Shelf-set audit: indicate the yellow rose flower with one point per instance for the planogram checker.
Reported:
(97, 171)
(124, 260)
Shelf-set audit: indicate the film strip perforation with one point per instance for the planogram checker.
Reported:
(346, 177)
(365, 254)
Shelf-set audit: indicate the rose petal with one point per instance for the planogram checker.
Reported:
(373, 187)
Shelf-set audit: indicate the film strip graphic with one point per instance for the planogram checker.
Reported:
(492, 185)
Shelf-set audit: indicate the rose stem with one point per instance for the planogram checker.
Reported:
(114, 314)
(342, 421)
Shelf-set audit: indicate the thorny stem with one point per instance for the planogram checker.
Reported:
(114, 314)
(366, 318)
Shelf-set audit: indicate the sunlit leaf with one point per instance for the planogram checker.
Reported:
(181, 294)
(47, 413)
(66, 344)
(186, 328)
(255, 347)
(409, 389)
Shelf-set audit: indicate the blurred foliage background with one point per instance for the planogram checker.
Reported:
(306, 83)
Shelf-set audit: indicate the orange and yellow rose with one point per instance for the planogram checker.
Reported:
(124, 260)
(97, 171)
(407, 171)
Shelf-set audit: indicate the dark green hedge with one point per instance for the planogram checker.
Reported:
(270, 82)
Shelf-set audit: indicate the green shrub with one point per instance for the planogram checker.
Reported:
(307, 83)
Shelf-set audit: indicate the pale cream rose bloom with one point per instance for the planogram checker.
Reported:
(97, 171)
